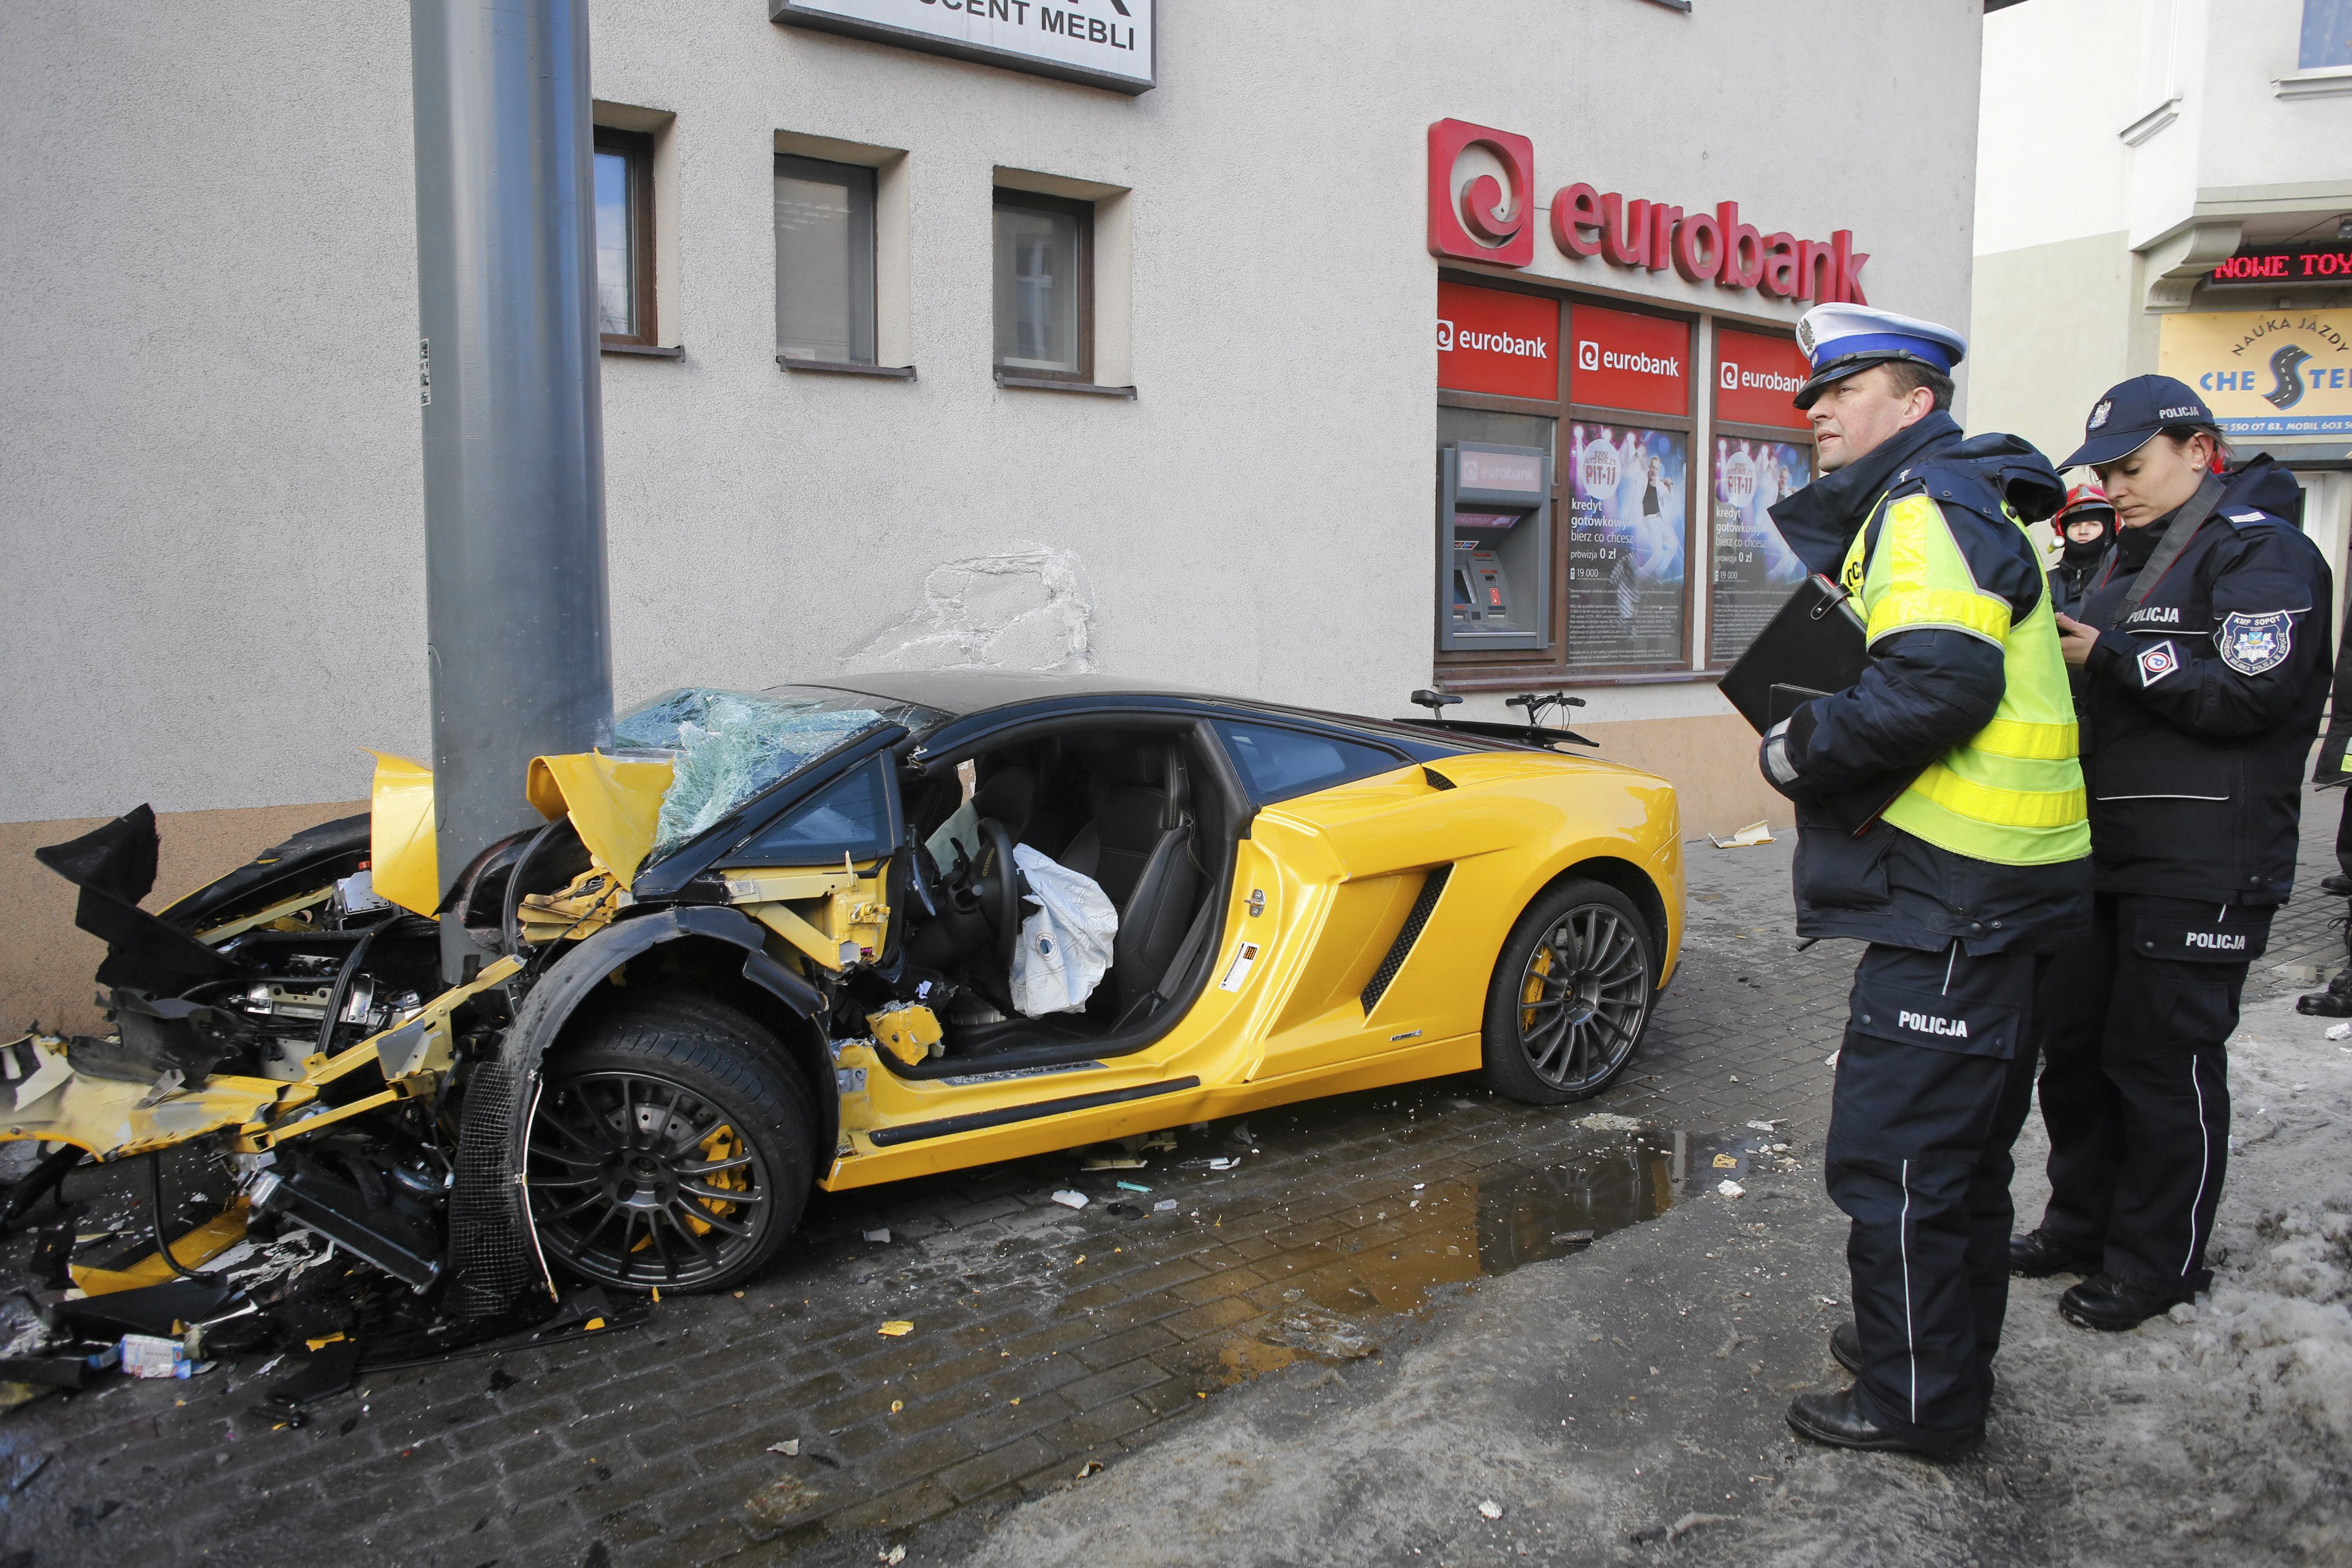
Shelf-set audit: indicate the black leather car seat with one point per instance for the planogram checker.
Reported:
(1009, 794)
(1138, 848)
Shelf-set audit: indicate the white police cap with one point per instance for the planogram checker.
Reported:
(1841, 340)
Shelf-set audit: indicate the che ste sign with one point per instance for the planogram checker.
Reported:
(1473, 216)
(2265, 372)
(1102, 43)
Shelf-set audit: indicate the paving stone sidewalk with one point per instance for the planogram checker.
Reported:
(1045, 1338)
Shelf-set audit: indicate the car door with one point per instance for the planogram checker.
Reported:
(1356, 843)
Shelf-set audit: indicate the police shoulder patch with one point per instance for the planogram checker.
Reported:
(2256, 645)
(2156, 661)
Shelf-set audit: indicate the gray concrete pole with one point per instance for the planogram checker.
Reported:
(516, 611)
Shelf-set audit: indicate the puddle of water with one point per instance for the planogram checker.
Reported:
(1450, 1231)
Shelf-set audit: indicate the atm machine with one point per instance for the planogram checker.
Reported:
(1494, 544)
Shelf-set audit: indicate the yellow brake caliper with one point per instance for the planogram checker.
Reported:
(1534, 992)
(722, 1145)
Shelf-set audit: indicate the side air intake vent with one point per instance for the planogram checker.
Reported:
(1406, 937)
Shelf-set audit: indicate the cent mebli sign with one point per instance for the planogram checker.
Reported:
(1102, 43)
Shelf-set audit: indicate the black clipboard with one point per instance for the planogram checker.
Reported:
(1815, 644)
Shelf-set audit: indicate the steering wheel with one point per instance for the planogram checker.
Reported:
(996, 884)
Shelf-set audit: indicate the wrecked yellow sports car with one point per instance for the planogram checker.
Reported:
(836, 935)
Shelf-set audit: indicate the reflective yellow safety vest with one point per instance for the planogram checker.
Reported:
(2013, 791)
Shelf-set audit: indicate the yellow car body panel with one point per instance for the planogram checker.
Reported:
(401, 853)
(1322, 887)
(614, 803)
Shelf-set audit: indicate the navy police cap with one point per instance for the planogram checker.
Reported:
(2130, 416)
(1840, 341)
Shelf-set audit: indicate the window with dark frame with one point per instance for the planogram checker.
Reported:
(1044, 288)
(824, 261)
(625, 237)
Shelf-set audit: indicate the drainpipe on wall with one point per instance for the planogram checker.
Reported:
(515, 614)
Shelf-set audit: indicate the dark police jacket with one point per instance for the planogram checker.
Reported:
(2198, 709)
(2069, 584)
(1927, 690)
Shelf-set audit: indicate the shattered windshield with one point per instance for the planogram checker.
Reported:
(726, 746)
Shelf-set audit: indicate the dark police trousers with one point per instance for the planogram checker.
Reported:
(1918, 1159)
(2134, 1088)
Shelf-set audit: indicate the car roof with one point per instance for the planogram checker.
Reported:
(964, 692)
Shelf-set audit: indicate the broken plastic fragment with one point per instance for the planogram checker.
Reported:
(1491, 1509)
(1730, 1189)
(1089, 1467)
(1726, 1161)
(1753, 834)
(2339, 1031)
(883, 1235)
(1766, 1126)
(1071, 1200)
(790, 1445)
(896, 1328)
(1163, 1205)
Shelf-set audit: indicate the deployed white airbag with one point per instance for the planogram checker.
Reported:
(1066, 946)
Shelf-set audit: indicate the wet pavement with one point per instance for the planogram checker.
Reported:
(779, 1424)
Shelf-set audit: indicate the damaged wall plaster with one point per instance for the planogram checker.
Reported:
(1027, 608)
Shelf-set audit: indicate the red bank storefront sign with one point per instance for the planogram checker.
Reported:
(1754, 377)
(1628, 361)
(1490, 340)
(1477, 219)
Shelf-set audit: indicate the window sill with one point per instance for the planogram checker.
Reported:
(643, 351)
(839, 367)
(1452, 681)
(1045, 383)
(2326, 81)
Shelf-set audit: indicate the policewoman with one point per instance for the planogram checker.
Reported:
(2086, 526)
(1940, 819)
(2204, 660)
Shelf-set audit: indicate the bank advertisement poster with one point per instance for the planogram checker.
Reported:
(2265, 372)
(1753, 569)
(1626, 556)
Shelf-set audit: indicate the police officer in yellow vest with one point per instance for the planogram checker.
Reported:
(1940, 818)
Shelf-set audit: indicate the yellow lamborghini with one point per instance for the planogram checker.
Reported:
(797, 937)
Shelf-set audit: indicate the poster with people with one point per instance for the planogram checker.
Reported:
(1626, 566)
(1753, 569)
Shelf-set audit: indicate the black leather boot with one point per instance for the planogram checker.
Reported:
(2113, 1305)
(1832, 1418)
(2335, 1002)
(2037, 1255)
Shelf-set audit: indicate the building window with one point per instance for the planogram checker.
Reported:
(2327, 34)
(624, 236)
(1044, 288)
(824, 261)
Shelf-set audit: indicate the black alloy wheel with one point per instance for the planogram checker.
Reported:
(672, 1148)
(1570, 995)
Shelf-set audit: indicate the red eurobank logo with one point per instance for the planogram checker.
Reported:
(1490, 340)
(1472, 216)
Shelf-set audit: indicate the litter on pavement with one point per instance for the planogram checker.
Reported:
(1753, 834)
(896, 1328)
(1730, 1189)
(1071, 1200)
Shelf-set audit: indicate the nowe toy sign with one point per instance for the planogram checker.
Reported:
(1483, 208)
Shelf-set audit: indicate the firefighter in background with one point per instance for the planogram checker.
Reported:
(2202, 652)
(2086, 526)
(1974, 868)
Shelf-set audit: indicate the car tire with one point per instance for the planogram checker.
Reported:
(1552, 1040)
(653, 1115)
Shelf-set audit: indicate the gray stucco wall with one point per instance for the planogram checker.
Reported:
(209, 486)
(2051, 322)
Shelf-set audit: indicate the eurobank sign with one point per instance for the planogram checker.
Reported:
(1101, 43)
(2265, 372)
